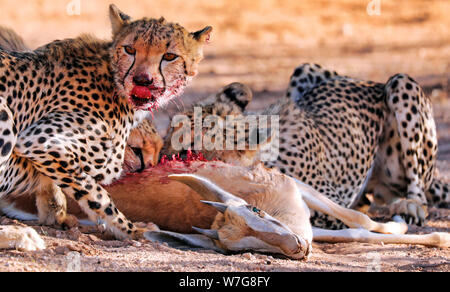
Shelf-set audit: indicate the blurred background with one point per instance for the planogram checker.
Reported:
(260, 42)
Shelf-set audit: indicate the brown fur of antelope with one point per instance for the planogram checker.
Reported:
(232, 217)
(247, 207)
(261, 210)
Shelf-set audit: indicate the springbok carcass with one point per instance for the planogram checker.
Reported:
(231, 208)
(249, 209)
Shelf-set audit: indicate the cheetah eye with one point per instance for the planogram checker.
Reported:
(129, 50)
(170, 57)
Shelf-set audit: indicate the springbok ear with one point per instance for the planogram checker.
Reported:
(207, 189)
(203, 35)
(118, 18)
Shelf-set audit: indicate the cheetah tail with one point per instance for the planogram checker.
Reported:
(439, 194)
(11, 41)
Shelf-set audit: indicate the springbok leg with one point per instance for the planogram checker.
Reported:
(351, 218)
(436, 239)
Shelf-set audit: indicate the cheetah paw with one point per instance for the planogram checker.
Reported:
(69, 222)
(65, 221)
(20, 238)
(411, 210)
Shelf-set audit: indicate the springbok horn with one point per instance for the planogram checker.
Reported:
(221, 207)
(211, 233)
(207, 189)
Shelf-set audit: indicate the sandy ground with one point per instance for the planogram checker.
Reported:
(260, 43)
(84, 249)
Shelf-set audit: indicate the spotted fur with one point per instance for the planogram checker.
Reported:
(67, 109)
(227, 109)
(366, 138)
(143, 147)
(347, 138)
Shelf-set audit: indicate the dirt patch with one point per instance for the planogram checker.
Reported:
(85, 249)
(260, 43)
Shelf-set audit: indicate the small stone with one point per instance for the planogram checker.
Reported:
(93, 237)
(74, 234)
(61, 250)
(72, 247)
(136, 243)
(248, 256)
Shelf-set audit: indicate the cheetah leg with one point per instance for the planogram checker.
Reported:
(51, 204)
(8, 137)
(22, 238)
(349, 217)
(59, 159)
(93, 199)
(436, 239)
(417, 131)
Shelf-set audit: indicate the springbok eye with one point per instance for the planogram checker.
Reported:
(129, 50)
(254, 209)
(169, 57)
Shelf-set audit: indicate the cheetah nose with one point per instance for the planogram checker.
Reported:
(142, 80)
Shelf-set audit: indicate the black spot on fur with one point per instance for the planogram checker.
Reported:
(94, 205)
(6, 149)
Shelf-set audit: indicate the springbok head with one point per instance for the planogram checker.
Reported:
(240, 226)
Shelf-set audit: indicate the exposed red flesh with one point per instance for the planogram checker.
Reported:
(191, 157)
(166, 167)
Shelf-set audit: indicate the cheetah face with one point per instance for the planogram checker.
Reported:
(153, 60)
(143, 147)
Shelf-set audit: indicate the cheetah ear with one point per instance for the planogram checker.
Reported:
(118, 18)
(203, 35)
(237, 93)
(162, 20)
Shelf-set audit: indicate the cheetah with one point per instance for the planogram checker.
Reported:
(143, 147)
(67, 109)
(143, 144)
(347, 138)
(230, 102)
